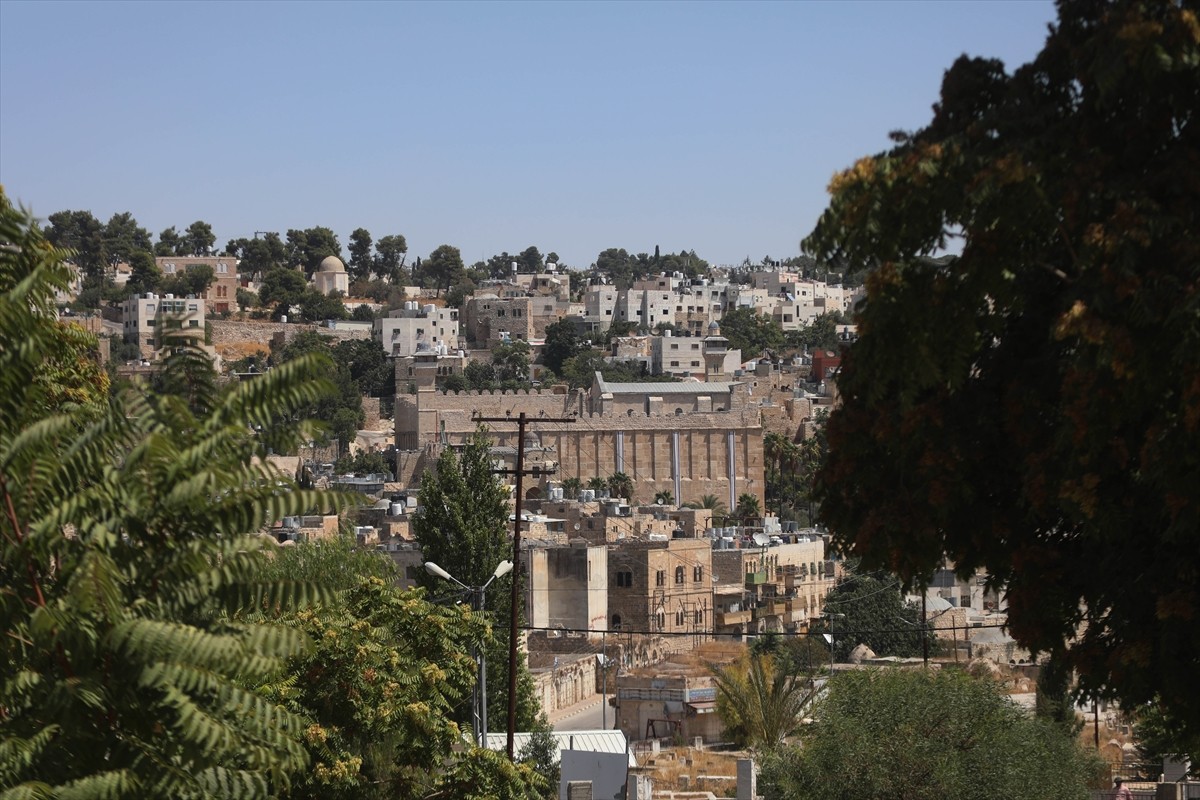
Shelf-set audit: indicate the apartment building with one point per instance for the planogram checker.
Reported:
(145, 316)
(418, 328)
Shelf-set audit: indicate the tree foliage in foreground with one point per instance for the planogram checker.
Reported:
(760, 703)
(383, 683)
(883, 734)
(462, 525)
(126, 554)
(1032, 407)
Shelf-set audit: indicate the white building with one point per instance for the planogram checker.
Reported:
(146, 315)
(331, 277)
(415, 328)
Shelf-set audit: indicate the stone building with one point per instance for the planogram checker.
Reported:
(492, 316)
(331, 276)
(691, 439)
(661, 587)
(222, 292)
(567, 587)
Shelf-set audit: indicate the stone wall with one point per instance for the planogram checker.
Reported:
(232, 331)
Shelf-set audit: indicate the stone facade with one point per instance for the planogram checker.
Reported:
(233, 331)
(661, 587)
(222, 293)
(691, 439)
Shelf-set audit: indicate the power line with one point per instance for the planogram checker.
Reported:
(793, 634)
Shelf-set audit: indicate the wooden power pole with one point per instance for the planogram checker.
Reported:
(521, 421)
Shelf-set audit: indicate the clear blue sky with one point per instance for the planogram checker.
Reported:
(491, 126)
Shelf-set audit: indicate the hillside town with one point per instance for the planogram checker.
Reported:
(326, 496)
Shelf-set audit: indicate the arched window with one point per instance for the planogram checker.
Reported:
(697, 573)
(679, 412)
(678, 617)
(616, 622)
(679, 574)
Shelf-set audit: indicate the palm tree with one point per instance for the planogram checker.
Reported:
(571, 487)
(598, 485)
(711, 503)
(664, 498)
(747, 507)
(620, 485)
(760, 704)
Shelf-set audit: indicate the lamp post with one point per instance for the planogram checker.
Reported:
(479, 695)
(832, 615)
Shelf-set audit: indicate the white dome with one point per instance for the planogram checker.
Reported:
(331, 264)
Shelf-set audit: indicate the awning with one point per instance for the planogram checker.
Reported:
(703, 708)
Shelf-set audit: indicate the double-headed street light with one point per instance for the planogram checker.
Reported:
(479, 695)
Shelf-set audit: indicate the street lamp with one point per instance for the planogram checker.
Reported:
(479, 695)
(832, 615)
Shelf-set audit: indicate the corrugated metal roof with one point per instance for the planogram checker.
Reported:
(587, 741)
(666, 387)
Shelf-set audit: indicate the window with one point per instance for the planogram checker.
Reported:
(698, 617)
(697, 573)
(616, 621)
(674, 346)
(662, 620)
(674, 363)
(195, 323)
(678, 617)
(679, 412)
(695, 363)
(660, 577)
(679, 575)
(608, 312)
(625, 579)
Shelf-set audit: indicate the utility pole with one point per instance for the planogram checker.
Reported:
(924, 636)
(521, 421)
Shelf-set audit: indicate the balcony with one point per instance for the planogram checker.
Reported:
(733, 617)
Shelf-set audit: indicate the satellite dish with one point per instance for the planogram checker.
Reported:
(761, 539)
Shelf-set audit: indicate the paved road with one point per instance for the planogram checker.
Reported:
(586, 718)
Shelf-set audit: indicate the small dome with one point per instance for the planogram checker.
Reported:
(713, 326)
(331, 264)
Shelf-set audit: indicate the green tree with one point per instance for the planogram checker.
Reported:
(307, 248)
(664, 498)
(246, 298)
(1158, 735)
(510, 361)
(443, 268)
(389, 258)
(144, 274)
(598, 485)
(126, 553)
(760, 704)
(317, 307)
(562, 342)
(617, 265)
(83, 234)
(916, 734)
(258, 256)
(123, 237)
(751, 332)
(462, 525)
(747, 508)
(872, 612)
(1054, 701)
(198, 239)
(283, 288)
(529, 261)
(620, 485)
(194, 280)
(710, 502)
(571, 487)
(170, 243)
(362, 262)
(1028, 405)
